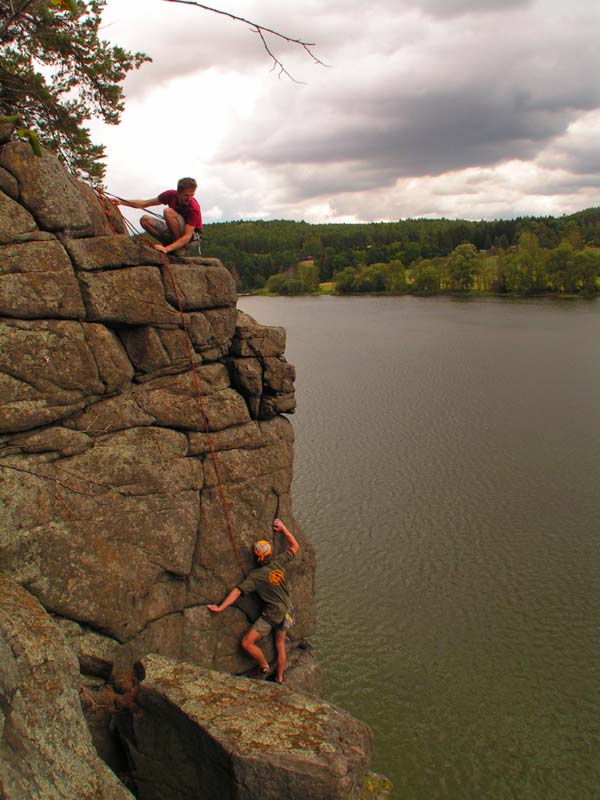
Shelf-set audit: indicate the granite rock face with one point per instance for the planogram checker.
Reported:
(45, 746)
(110, 510)
(139, 410)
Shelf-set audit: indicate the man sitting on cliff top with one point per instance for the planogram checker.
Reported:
(182, 218)
(268, 580)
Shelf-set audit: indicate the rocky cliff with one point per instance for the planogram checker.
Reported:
(127, 505)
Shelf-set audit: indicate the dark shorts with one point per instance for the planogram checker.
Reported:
(265, 626)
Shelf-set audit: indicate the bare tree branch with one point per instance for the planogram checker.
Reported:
(276, 62)
(261, 30)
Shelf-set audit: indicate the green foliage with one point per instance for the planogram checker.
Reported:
(395, 277)
(292, 286)
(560, 268)
(305, 282)
(307, 272)
(587, 267)
(32, 138)
(22, 133)
(275, 282)
(462, 266)
(345, 280)
(376, 279)
(523, 256)
(56, 73)
(371, 279)
(426, 279)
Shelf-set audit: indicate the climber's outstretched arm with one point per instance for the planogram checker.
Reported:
(229, 601)
(154, 201)
(291, 539)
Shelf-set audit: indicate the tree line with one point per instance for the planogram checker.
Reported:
(522, 256)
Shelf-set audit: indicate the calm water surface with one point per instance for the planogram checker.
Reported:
(447, 468)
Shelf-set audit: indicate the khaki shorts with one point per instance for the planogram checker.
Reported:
(164, 235)
(264, 626)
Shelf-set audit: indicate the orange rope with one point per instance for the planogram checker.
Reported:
(211, 446)
(213, 453)
(104, 201)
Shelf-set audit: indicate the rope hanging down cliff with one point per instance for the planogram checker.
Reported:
(198, 396)
(105, 203)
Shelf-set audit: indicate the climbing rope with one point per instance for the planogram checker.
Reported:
(198, 396)
(105, 204)
(102, 195)
(107, 201)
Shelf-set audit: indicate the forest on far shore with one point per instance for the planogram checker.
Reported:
(522, 256)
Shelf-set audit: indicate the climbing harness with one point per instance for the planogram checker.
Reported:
(103, 197)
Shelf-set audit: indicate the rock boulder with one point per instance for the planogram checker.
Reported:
(262, 741)
(46, 752)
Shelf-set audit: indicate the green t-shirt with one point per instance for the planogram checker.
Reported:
(270, 584)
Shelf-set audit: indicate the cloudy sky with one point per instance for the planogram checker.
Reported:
(478, 109)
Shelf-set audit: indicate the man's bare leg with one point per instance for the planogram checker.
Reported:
(279, 637)
(173, 223)
(249, 644)
(148, 225)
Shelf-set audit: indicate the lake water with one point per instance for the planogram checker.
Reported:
(447, 469)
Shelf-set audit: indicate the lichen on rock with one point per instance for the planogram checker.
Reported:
(131, 431)
(46, 752)
(263, 740)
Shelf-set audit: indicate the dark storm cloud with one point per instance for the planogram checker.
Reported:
(418, 136)
(449, 100)
(423, 135)
(451, 8)
(581, 164)
(420, 90)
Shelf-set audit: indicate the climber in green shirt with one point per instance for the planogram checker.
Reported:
(269, 582)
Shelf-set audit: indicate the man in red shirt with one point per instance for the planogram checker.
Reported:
(182, 218)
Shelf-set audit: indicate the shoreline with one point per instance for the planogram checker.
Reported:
(452, 295)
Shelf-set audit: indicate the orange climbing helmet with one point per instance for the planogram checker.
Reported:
(262, 550)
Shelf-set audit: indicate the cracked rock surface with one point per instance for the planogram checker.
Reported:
(125, 424)
(110, 510)
(262, 740)
(45, 746)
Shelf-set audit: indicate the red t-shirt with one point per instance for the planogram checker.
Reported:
(190, 213)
